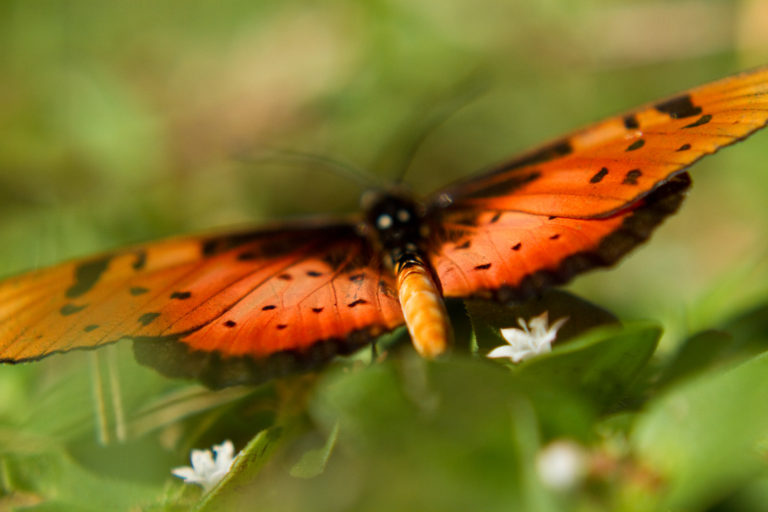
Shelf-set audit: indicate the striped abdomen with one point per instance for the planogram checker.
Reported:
(423, 307)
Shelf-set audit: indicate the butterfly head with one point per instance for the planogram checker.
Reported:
(396, 220)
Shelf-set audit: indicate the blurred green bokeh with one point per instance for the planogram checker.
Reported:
(126, 121)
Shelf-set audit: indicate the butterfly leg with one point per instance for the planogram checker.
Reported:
(423, 307)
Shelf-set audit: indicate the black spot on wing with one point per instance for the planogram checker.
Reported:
(555, 236)
(91, 327)
(181, 295)
(631, 177)
(636, 145)
(138, 290)
(87, 275)
(517, 246)
(141, 260)
(357, 303)
(684, 147)
(314, 273)
(285, 277)
(148, 318)
(230, 323)
(630, 122)
(269, 307)
(679, 108)
(248, 256)
(280, 327)
(700, 121)
(209, 247)
(356, 277)
(71, 309)
(495, 218)
(484, 266)
(598, 177)
(317, 310)
(465, 245)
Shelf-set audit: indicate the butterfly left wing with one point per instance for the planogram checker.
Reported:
(235, 308)
(601, 169)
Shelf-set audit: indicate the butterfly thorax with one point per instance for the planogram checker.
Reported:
(400, 228)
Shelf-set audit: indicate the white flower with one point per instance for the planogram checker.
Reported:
(207, 469)
(533, 339)
(561, 465)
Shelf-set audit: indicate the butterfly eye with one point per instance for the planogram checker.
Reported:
(384, 221)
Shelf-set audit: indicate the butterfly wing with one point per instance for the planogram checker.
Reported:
(509, 255)
(600, 170)
(587, 199)
(295, 294)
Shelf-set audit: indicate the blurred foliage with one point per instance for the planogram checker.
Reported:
(129, 121)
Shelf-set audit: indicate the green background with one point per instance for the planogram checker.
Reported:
(123, 122)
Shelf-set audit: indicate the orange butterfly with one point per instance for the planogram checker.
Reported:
(245, 307)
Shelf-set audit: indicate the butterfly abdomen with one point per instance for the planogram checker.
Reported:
(423, 307)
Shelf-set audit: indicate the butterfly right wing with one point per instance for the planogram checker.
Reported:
(509, 256)
(585, 200)
(292, 294)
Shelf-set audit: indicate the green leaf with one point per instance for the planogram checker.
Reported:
(62, 484)
(313, 462)
(699, 352)
(749, 330)
(602, 365)
(456, 434)
(706, 438)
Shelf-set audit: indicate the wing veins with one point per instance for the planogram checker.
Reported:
(300, 256)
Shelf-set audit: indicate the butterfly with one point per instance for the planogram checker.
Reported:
(248, 306)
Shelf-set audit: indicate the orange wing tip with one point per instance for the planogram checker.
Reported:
(174, 358)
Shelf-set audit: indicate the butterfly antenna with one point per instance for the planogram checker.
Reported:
(335, 166)
(414, 138)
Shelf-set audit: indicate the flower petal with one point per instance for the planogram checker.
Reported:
(202, 461)
(208, 468)
(502, 351)
(185, 472)
(535, 337)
